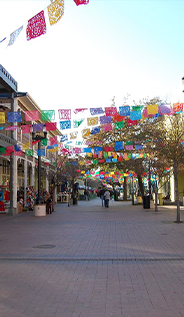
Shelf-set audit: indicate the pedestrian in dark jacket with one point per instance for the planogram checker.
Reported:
(102, 191)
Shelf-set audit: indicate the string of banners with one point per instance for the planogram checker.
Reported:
(100, 120)
(36, 26)
(98, 115)
(110, 115)
(101, 157)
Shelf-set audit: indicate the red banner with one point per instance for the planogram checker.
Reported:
(78, 2)
(36, 26)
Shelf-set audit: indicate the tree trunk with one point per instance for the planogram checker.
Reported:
(141, 187)
(156, 197)
(125, 189)
(178, 219)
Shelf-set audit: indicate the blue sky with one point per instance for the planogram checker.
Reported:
(97, 51)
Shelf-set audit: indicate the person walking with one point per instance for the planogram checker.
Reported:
(102, 191)
(107, 198)
(48, 202)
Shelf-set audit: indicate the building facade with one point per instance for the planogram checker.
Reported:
(22, 171)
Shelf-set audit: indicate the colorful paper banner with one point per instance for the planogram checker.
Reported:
(124, 110)
(48, 115)
(15, 116)
(107, 127)
(105, 119)
(14, 35)
(118, 145)
(85, 133)
(65, 124)
(135, 115)
(79, 110)
(38, 127)
(53, 140)
(78, 2)
(11, 128)
(64, 114)
(64, 138)
(55, 11)
(96, 111)
(27, 128)
(51, 126)
(95, 130)
(119, 125)
(36, 26)
(77, 123)
(2, 117)
(41, 152)
(92, 121)
(31, 115)
(111, 111)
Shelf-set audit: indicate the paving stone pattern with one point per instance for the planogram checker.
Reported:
(88, 261)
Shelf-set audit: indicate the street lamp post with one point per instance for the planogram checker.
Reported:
(39, 138)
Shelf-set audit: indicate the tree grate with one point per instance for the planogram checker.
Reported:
(44, 246)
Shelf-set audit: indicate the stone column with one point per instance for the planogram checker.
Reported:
(25, 180)
(33, 173)
(47, 178)
(13, 168)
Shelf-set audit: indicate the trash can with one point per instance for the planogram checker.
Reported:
(74, 200)
(139, 199)
(146, 202)
(40, 210)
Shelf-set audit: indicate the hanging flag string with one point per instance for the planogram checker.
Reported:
(36, 26)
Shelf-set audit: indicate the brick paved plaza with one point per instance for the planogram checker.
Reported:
(88, 261)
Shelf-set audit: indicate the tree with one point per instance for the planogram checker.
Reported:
(164, 136)
(69, 169)
(161, 137)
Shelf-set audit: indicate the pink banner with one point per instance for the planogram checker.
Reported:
(53, 140)
(18, 153)
(26, 128)
(9, 149)
(36, 26)
(111, 111)
(31, 115)
(131, 122)
(78, 2)
(64, 114)
(80, 110)
(107, 127)
(108, 148)
(51, 126)
(12, 128)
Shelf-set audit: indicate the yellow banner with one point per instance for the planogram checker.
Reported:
(152, 109)
(2, 117)
(85, 133)
(25, 146)
(55, 11)
(92, 121)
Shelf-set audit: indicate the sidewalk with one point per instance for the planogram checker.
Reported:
(89, 261)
